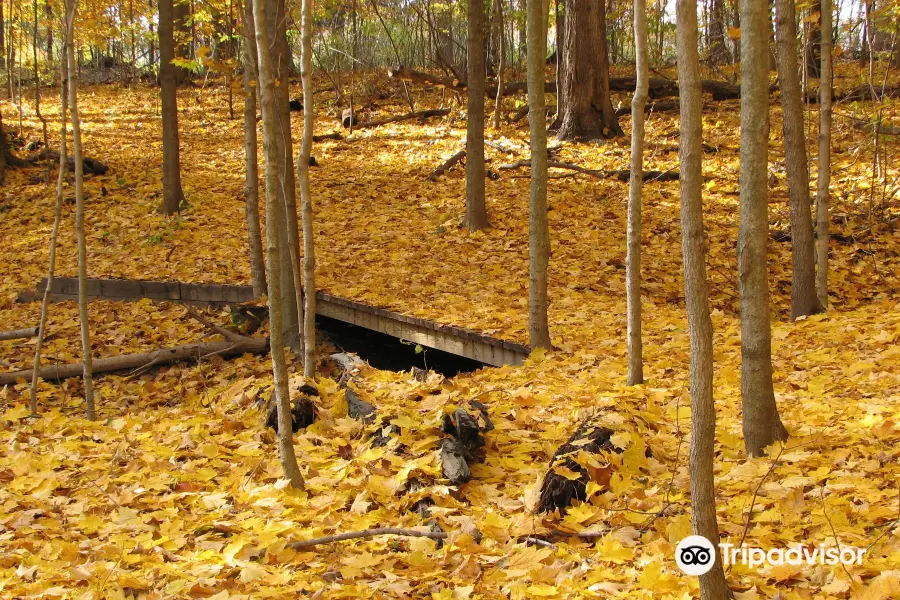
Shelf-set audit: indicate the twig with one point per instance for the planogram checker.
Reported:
(228, 335)
(539, 542)
(368, 533)
(833, 532)
(753, 500)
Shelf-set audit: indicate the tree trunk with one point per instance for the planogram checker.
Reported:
(288, 228)
(274, 211)
(90, 413)
(561, 61)
(181, 12)
(813, 49)
(824, 175)
(476, 211)
(703, 409)
(803, 285)
(538, 224)
(254, 237)
(309, 250)
(171, 171)
(762, 426)
(718, 53)
(633, 243)
(587, 112)
(501, 67)
(57, 214)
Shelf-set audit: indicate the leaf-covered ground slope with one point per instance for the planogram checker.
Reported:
(175, 491)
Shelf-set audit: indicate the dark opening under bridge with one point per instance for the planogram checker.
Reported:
(455, 340)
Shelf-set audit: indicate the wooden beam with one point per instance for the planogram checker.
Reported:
(455, 340)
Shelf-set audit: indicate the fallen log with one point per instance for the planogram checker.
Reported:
(145, 360)
(620, 174)
(420, 114)
(446, 165)
(327, 136)
(17, 334)
(654, 107)
(658, 86)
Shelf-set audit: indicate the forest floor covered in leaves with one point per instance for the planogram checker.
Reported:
(175, 491)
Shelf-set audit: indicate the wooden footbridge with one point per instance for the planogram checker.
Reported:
(455, 340)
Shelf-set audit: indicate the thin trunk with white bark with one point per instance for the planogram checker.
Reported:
(824, 176)
(633, 256)
(803, 286)
(538, 224)
(309, 250)
(762, 425)
(703, 408)
(274, 250)
(71, 8)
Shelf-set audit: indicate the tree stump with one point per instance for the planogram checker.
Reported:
(348, 118)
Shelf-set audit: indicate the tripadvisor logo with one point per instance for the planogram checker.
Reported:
(695, 555)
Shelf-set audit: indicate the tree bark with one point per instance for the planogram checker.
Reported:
(309, 250)
(288, 227)
(762, 425)
(498, 100)
(90, 413)
(538, 224)
(587, 112)
(274, 212)
(633, 242)
(171, 170)
(803, 285)
(703, 410)
(181, 46)
(57, 215)
(718, 53)
(813, 48)
(254, 235)
(824, 175)
(476, 211)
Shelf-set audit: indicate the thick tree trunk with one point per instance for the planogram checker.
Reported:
(171, 170)
(476, 211)
(824, 175)
(274, 250)
(538, 224)
(181, 47)
(254, 236)
(57, 214)
(718, 53)
(587, 112)
(90, 413)
(813, 48)
(703, 409)
(309, 250)
(633, 243)
(762, 426)
(803, 285)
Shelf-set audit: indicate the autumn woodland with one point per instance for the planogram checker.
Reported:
(450, 299)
